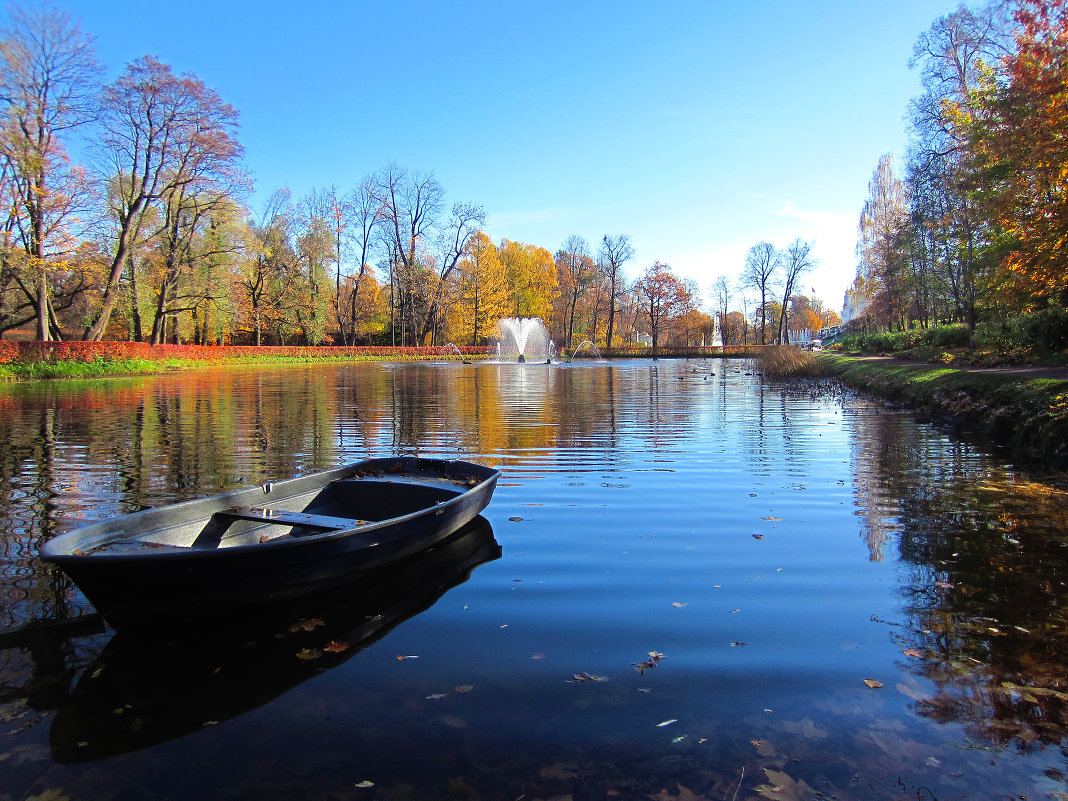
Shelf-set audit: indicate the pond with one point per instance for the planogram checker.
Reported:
(692, 583)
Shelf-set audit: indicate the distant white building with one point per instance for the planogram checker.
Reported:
(856, 300)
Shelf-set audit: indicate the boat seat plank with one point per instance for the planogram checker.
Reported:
(281, 517)
(212, 534)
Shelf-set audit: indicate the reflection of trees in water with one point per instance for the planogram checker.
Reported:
(986, 592)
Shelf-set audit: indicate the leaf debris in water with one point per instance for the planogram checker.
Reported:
(678, 604)
(364, 784)
(650, 663)
(875, 684)
(738, 644)
(587, 677)
(410, 656)
(664, 723)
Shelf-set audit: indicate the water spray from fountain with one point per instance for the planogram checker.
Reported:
(524, 339)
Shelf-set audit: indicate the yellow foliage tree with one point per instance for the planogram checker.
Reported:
(483, 292)
(531, 274)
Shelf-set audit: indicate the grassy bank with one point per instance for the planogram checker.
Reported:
(1027, 415)
(52, 360)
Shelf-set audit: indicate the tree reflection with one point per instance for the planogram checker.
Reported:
(986, 596)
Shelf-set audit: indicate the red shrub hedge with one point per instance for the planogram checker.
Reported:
(28, 352)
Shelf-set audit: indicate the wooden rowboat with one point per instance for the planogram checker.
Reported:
(281, 540)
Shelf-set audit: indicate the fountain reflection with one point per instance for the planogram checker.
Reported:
(166, 684)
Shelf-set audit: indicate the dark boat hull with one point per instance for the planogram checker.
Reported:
(131, 570)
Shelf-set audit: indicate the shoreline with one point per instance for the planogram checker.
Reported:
(1022, 409)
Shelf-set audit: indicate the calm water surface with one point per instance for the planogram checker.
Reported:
(849, 604)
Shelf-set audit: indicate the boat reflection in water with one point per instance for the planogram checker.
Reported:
(148, 687)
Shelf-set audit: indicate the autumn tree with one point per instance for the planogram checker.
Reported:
(362, 216)
(949, 259)
(615, 252)
(166, 140)
(48, 84)
(271, 271)
(662, 298)
(761, 263)
(482, 288)
(881, 245)
(796, 260)
(575, 273)
(1018, 133)
(531, 276)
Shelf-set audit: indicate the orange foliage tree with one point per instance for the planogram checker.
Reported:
(1017, 127)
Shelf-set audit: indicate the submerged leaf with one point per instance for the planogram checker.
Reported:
(781, 787)
(307, 625)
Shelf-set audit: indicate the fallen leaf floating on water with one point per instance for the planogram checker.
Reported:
(650, 663)
(465, 688)
(435, 697)
(515, 520)
(913, 652)
(587, 677)
(758, 536)
(738, 644)
(875, 684)
(309, 653)
(664, 723)
(410, 656)
(336, 647)
(678, 604)
(771, 518)
(679, 739)
(364, 784)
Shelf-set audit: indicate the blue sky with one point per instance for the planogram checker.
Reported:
(696, 128)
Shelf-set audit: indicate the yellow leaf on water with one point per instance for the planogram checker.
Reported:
(875, 684)
(336, 647)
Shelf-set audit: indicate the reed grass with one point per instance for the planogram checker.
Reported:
(786, 361)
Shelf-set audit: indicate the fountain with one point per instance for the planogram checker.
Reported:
(587, 345)
(524, 338)
(450, 348)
